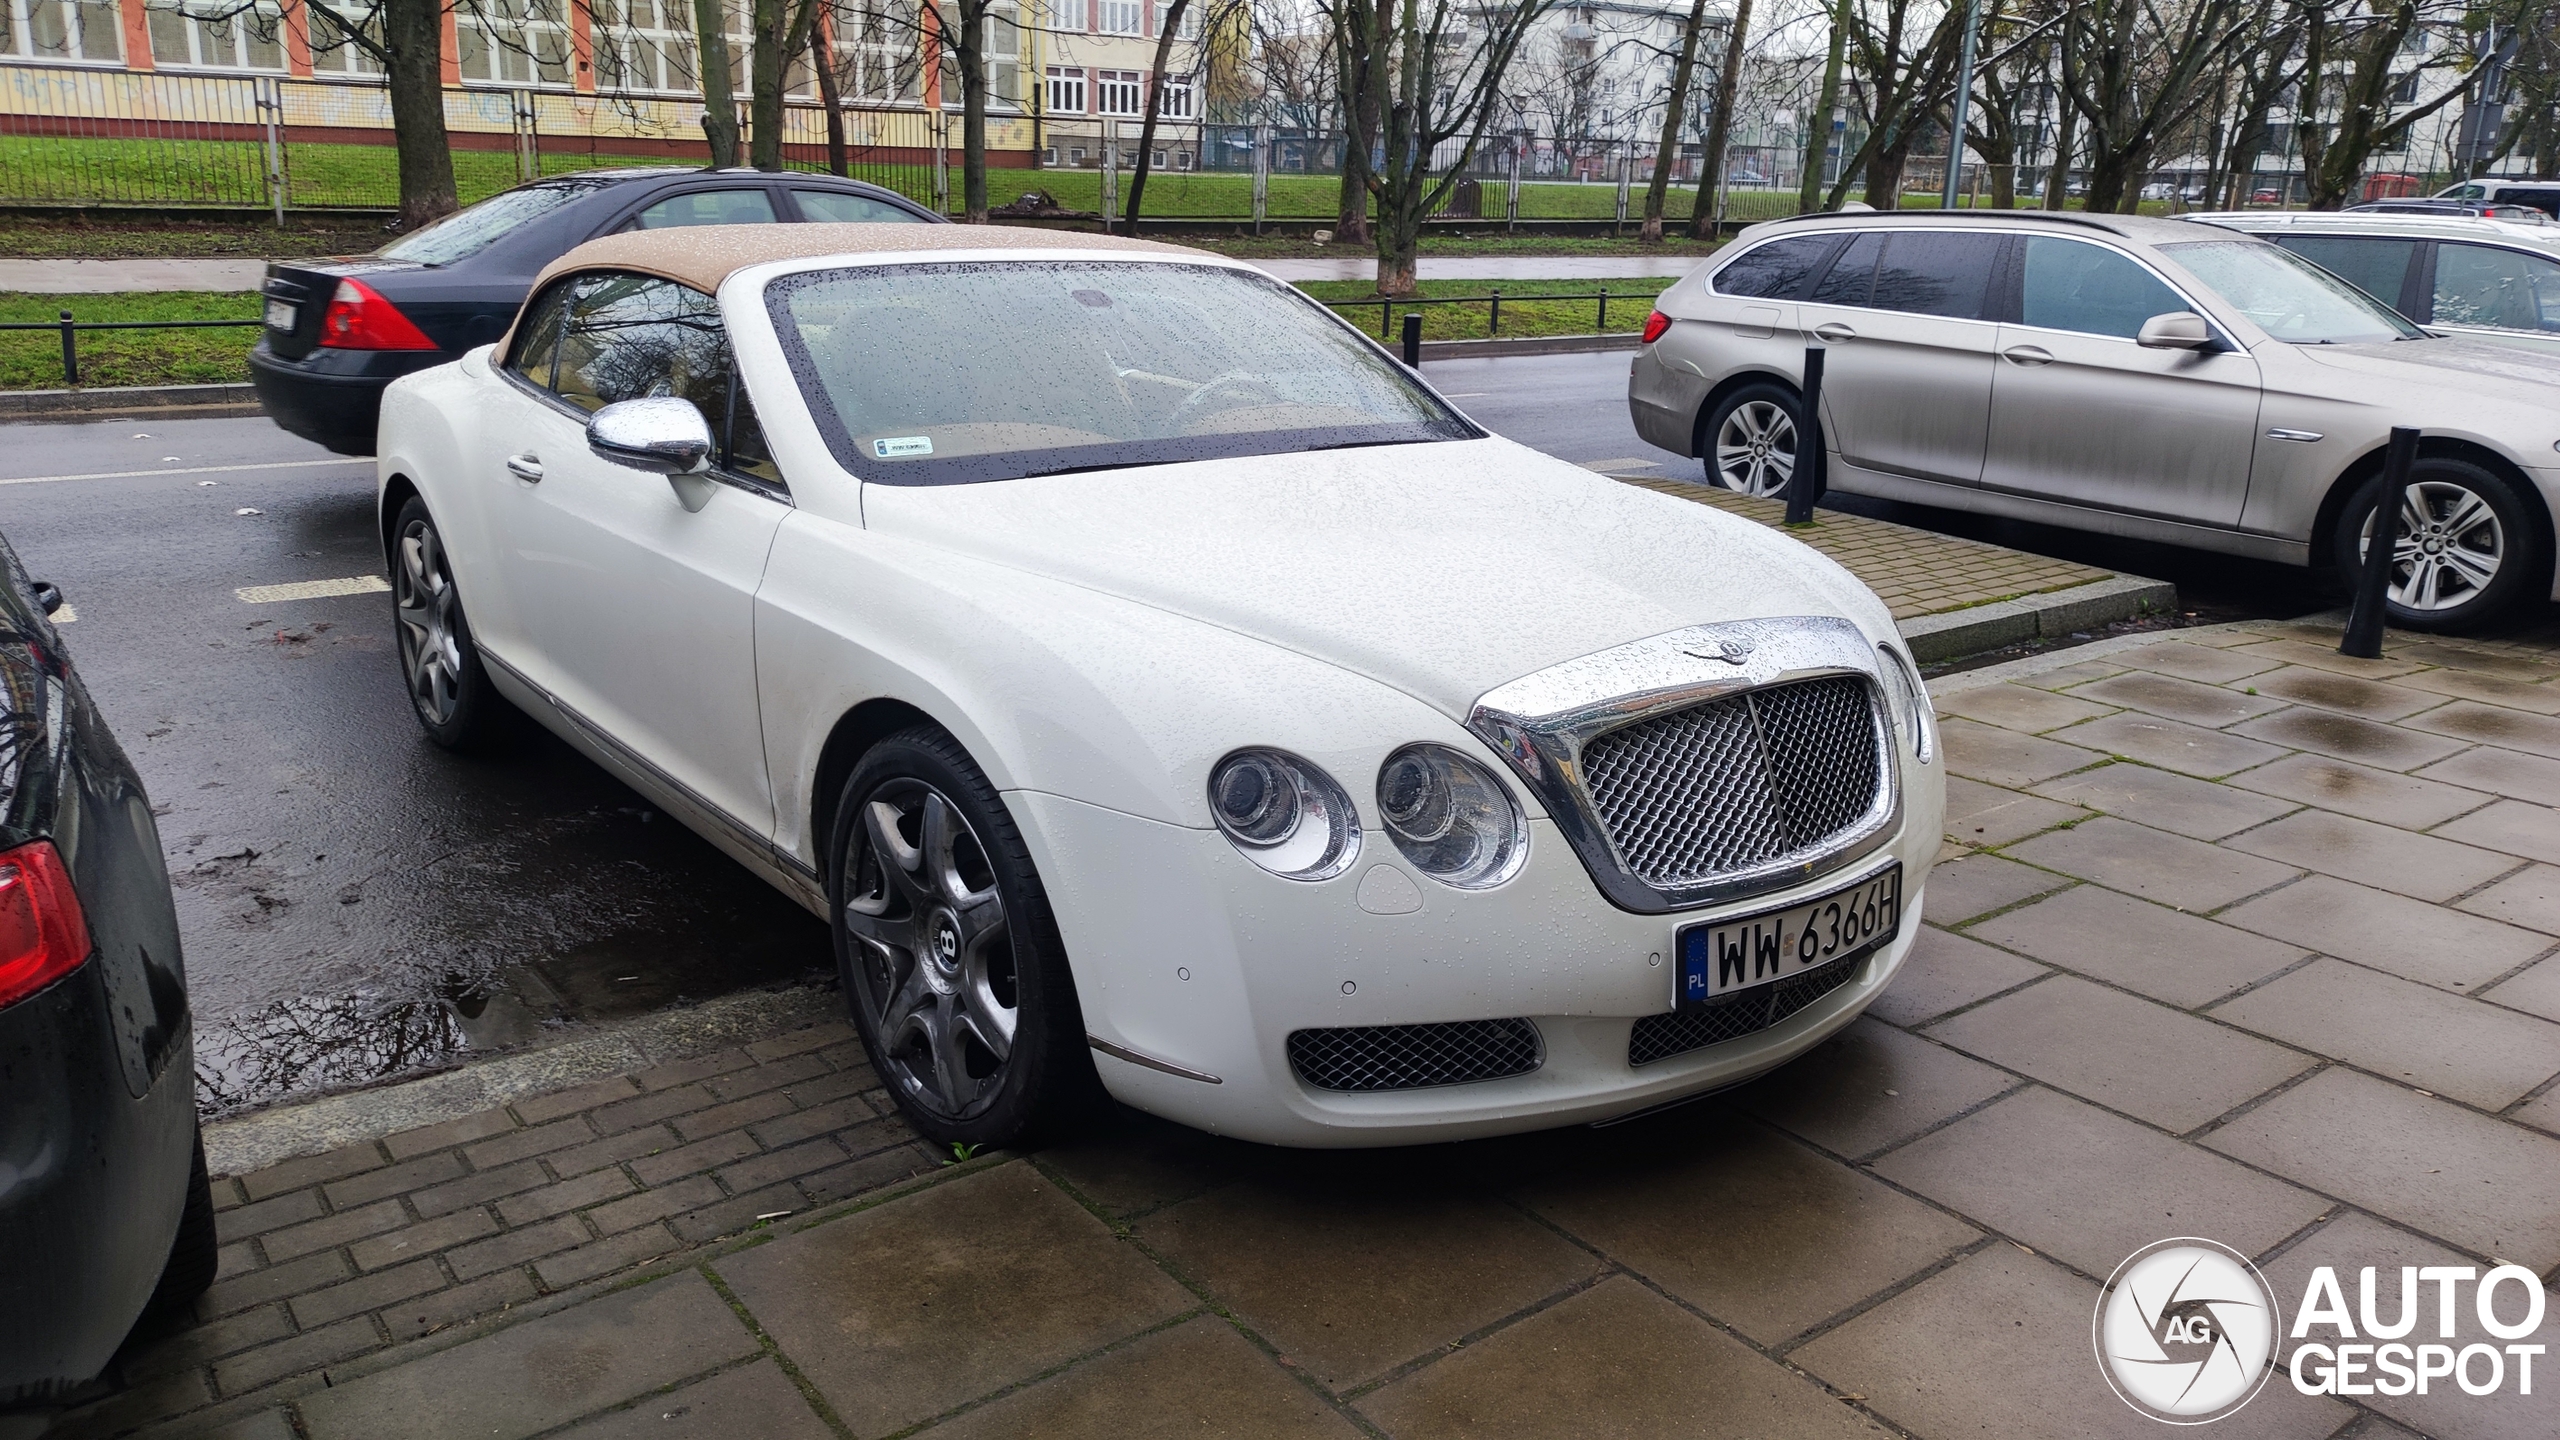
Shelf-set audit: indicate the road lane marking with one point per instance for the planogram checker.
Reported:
(65, 615)
(313, 589)
(188, 470)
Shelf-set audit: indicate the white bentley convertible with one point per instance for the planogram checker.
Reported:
(1151, 679)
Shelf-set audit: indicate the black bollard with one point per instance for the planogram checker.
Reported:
(2363, 639)
(1413, 338)
(1804, 483)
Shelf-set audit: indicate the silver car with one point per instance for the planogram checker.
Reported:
(2140, 377)
(2487, 279)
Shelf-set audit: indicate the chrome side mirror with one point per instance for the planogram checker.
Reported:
(662, 435)
(2177, 330)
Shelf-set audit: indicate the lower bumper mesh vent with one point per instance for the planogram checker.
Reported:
(1414, 1057)
(1694, 1027)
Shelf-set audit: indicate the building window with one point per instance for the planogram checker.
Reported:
(1066, 91)
(878, 55)
(224, 36)
(1155, 159)
(645, 45)
(1190, 19)
(1175, 103)
(1075, 154)
(1049, 157)
(512, 42)
(332, 53)
(1116, 91)
(1117, 17)
(62, 29)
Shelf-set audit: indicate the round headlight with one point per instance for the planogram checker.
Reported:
(1286, 815)
(1451, 818)
(1909, 700)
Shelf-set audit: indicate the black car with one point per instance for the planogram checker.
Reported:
(340, 330)
(105, 1214)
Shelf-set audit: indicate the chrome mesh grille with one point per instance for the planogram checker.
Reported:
(1694, 1027)
(1736, 782)
(1414, 1057)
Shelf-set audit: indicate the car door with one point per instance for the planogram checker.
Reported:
(2083, 415)
(1906, 379)
(636, 612)
(2390, 269)
(2490, 292)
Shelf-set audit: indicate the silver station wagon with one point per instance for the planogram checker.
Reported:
(2131, 376)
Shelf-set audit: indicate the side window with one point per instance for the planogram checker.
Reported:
(2073, 285)
(630, 336)
(2547, 201)
(537, 339)
(837, 207)
(2373, 265)
(1852, 277)
(707, 207)
(1775, 271)
(1936, 273)
(2500, 289)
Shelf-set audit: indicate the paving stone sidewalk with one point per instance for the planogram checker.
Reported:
(2234, 938)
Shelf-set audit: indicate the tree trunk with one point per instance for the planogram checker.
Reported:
(413, 37)
(1357, 42)
(1702, 215)
(765, 59)
(971, 50)
(2057, 184)
(2004, 184)
(1155, 106)
(822, 58)
(719, 102)
(1817, 144)
(1666, 152)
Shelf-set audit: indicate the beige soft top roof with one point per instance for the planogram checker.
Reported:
(704, 255)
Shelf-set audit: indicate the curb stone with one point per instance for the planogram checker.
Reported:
(1952, 634)
(310, 1127)
(85, 403)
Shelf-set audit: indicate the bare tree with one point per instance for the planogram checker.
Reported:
(1905, 84)
(1665, 152)
(1166, 29)
(1817, 128)
(2133, 74)
(406, 38)
(778, 33)
(719, 105)
(2348, 51)
(1436, 79)
(1361, 31)
(1702, 214)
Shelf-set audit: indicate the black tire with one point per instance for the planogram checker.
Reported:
(1761, 474)
(912, 958)
(2512, 533)
(194, 1255)
(440, 667)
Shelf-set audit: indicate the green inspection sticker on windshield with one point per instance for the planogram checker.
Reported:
(902, 447)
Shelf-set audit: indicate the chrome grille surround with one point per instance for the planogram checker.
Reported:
(1611, 722)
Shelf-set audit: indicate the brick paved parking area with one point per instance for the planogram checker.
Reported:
(2235, 938)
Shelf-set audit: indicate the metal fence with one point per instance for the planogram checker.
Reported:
(87, 136)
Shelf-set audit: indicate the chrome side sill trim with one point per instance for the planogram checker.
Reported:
(1122, 1052)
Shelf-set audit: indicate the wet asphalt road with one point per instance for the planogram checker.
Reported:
(357, 902)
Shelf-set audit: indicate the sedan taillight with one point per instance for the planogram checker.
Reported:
(1654, 325)
(359, 318)
(43, 935)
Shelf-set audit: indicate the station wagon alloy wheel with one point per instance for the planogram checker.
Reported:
(2450, 549)
(429, 615)
(934, 970)
(1756, 447)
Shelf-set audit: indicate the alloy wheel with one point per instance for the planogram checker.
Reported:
(429, 612)
(1756, 448)
(2450, 548)
(933, 953)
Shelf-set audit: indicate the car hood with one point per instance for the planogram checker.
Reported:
(1440, 569)
(2478, 369)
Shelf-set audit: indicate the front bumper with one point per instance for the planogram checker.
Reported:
(1184, 953)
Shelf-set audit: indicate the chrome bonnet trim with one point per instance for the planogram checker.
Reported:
(1541, 724)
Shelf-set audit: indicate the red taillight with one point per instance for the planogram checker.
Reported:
(1654, 325)
(360, 319)
(43, 935)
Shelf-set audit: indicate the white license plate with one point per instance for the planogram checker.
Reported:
(1728, 955)
(280, 316)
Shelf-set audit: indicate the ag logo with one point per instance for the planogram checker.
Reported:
(2186, 1331)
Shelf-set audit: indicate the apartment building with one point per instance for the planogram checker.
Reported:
(1096, 58)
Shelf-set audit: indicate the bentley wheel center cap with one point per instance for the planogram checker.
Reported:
(942, 952)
